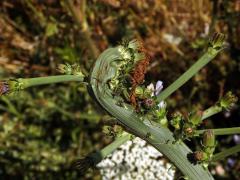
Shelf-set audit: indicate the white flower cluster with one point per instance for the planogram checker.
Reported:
(136, 160)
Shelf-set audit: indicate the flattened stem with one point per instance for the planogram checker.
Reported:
(160, 138)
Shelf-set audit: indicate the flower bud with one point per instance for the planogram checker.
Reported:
(70, 69)
(200, 156)
(188, 130)
(65, 69)
(217, 41)
(149, 103)
(228, 100)
(209, 138)
(176, 120)
(139, 92)
(135, 44)
(164, 122)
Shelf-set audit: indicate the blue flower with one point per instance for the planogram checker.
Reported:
(158, 88)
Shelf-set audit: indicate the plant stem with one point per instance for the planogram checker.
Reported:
(153, 133)
(206, 58)
(29, 82)
(211, 111)
(222, 131)
(103, 153)
(118, 142)
(225, 153)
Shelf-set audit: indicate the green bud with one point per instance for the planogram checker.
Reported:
(164, 122)
(115, 130)
(217, 41)
(176, 120)
(147, 92)
(228, 100)
(209, 138)
(65, 69)
(107, 130)
(196, 117)
(161, 113)
(139, 92)
(68, 69)
(135, 44)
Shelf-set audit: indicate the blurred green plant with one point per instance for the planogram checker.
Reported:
(25, 49)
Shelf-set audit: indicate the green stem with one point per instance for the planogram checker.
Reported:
(114, 145)
(103, 153)
(161, 138)
(211, 111)
(226, 153)
(206, 58)
(222, 131)
(29, 82)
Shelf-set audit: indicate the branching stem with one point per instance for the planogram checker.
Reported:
(222, 131)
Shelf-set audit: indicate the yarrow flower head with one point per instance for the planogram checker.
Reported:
(135, 160)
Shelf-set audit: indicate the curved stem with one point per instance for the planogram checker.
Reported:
(161, 138)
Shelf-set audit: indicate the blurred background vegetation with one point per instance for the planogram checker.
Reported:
(44, 129)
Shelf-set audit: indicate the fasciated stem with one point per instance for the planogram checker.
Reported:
(161, 138)
(226, 153)
(222, 131)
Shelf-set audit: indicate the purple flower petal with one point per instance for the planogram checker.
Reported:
(159, 87)
(231, 162)
(4, 88)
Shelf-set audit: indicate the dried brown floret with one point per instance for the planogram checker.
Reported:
(138, 75)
